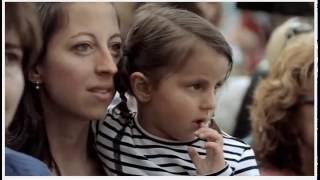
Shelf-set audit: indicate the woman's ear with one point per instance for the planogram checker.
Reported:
(141, 86)
(35, 74)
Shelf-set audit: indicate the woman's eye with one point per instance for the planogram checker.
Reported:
(116, 46)
(13, 57)
(83, 48)
(115, 49)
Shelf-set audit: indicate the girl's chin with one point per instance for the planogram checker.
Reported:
(187, 138)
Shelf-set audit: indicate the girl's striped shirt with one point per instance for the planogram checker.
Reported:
(125, 148)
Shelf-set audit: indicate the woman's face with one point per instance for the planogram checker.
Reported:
(14, 74)
(305, 116)
(77, 74)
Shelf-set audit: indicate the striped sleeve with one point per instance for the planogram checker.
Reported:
(227, 171)
(240, 157)
(247, 164)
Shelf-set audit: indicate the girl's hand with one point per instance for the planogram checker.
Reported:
(214, 161)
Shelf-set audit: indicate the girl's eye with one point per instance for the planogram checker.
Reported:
(218, 86)
(196, 86)
(83, 48)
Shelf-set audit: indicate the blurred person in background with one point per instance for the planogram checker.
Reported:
(283, 107)
(233, 110)
(22, 46)
(276, 42)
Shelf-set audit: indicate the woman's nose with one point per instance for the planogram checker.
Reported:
(105, 63)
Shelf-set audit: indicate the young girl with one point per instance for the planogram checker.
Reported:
(174, 63)
(68, 86)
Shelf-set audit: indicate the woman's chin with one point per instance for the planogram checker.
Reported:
(97, 114)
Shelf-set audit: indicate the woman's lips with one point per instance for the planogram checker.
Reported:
(102, 93)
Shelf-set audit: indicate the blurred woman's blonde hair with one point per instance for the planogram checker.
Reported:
(274, 124)
(281, 34)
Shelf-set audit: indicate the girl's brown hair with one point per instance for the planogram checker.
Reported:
(160, 41)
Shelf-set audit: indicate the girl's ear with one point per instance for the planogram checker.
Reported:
(141, 86)
(35, 74)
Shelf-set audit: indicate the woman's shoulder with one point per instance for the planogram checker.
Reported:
(19, 164)
(273, 171)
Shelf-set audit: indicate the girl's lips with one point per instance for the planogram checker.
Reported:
(200, 123)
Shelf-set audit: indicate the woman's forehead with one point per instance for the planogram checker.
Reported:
(91, 17)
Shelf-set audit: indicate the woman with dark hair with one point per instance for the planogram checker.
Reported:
(69, 85)
(23, 43)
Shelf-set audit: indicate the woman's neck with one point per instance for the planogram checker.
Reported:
(69, 138)
(68, 143)
(307, 160)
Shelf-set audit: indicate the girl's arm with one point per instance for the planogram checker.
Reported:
(247, 164)
(213, 163)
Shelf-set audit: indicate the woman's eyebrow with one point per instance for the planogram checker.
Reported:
(83, 33)
(115, 36)
(12, 46)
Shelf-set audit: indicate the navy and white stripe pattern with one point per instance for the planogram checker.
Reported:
(126, 149)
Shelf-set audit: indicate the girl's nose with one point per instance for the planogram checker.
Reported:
(209, 102)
